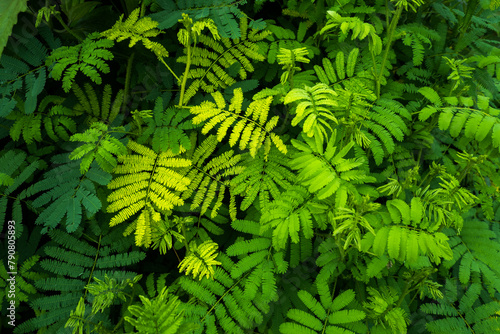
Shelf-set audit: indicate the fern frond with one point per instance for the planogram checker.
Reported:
(251, 129)
(14, 172)
(77, 261)
(290, 214)
(471, 311)
(314, 108)
(162, 314)
(327, 171)
(360, 30)
(99, 146)
(200, 260)
(88, 57)
(223, 12)
(137, 30)
(23, 76)
(207, 176)
(324, 315)
(89, 104)
(262, 178)
(67, 195)
(168, 129)
(211, 60)
(145, 186)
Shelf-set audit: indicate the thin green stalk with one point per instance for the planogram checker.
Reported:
(390, 36)
(68, 29)
(168, 67)
(186, 72)
(127, 79)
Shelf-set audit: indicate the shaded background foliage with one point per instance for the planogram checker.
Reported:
(251, 166)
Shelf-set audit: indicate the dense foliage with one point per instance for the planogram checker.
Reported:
(219, 166)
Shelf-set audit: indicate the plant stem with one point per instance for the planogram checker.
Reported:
(390, 33)
(68, 29)
(186, 72)
(127, 79)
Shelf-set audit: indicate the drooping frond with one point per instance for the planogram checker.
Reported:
(476, 120)
(57, 121)
(475, 252)
(360, 30)
(14, 172)
(258, 262)
(331, 73)
(219, 303)
(67, 194)
(252, 130)
(466, 311)
(149, 186)
(89, 103)
(410, 235)
(72, 262)
(89, 57)
(209, 177)
(22, 75)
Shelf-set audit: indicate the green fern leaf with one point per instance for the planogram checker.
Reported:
(88, 57)
(252, 129)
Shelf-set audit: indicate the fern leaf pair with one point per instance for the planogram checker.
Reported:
(147, 187)
(360, 30)
(252, 130)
